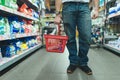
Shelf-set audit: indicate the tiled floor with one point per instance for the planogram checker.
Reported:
(51, 66)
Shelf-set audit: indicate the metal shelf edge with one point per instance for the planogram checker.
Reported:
(114, 15)
(16, 37)
(111, 48)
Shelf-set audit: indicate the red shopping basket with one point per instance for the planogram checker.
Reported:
(55, 43)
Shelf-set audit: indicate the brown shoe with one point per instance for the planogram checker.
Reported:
(71, 68)
(86, 69)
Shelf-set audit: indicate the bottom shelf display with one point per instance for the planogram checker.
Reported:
(13, 50)
(5, 62)
(113, 48)
(113, 44)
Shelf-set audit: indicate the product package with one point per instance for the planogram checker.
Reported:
(2, 25)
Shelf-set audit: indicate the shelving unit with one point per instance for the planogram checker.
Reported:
(7, 12)
(112, 27)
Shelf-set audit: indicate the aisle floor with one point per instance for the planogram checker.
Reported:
(51, 66)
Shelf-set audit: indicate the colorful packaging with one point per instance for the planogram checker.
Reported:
(35, 14)
(29, 12)
(15, 24)
(10, 3)
(0, 1)
(7, 27)
(6, 3)
(13, 4)
(23, 9)
(17, 45)
(39, 39)
(2, 25)
(24, 46)
(8, 50)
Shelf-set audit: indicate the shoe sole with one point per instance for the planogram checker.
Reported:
(89, 73)
(70, 72)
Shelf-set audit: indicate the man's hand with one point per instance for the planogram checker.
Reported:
(57, 19)
(95, 14)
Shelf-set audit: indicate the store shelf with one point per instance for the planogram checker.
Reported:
(8, 12)
(9, 61)
(110, 37)
(112, 48)
(15, 36)
(114, 15)
(26, 35)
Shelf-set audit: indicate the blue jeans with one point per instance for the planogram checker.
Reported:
(77, 15)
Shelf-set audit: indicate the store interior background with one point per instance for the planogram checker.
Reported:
(23, 24)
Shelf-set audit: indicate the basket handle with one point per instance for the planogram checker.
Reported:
(59, 31)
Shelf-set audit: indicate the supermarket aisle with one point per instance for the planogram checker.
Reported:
(51, 66)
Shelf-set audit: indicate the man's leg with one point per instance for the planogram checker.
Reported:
(69, 20)
(84, 29)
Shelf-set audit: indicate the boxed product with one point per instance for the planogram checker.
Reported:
(23, 9)
(8, 50)
(15, 24)
(24, 46)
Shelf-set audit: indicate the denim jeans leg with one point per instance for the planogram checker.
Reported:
(84, 29)
(69, 19)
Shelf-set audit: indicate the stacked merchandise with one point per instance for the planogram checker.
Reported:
(19, 33)
(22, 8)
(28, 11)
(12, 25)
(17, 46)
